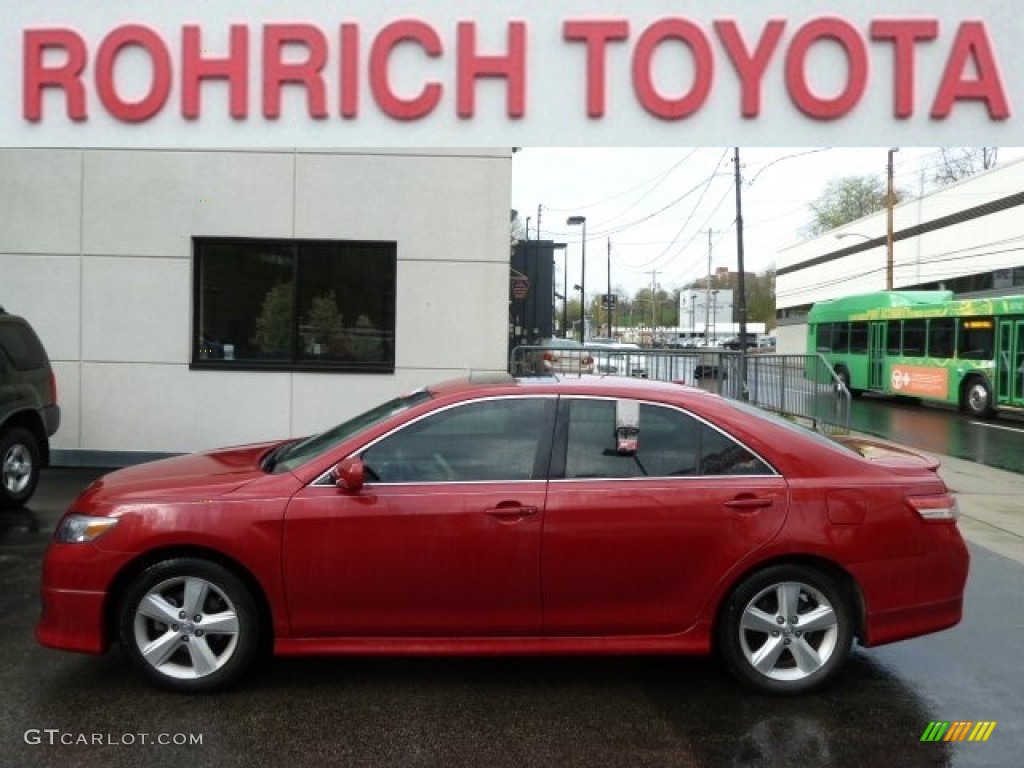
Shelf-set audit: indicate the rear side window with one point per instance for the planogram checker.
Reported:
(671, 444)
(22, 347)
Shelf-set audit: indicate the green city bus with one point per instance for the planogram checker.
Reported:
(925, 344)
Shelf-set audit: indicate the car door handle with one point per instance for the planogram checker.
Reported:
(751, 502)
(511, 512)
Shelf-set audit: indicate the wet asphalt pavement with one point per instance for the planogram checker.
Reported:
(56, 706)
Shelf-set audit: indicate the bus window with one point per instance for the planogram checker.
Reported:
(858, 338)
(941, 331)
(824, 340)
(976, 340)
(914, 338)
(894, 334)
(841, 337)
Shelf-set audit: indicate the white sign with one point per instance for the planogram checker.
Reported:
(489, 73)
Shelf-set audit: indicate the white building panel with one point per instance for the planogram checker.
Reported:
(168, 408)
(48, 290)
(136, 310)
(152, 203)
(40, 191)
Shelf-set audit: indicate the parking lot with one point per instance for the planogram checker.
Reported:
(67, 709)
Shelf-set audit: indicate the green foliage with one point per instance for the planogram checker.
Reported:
(274, 324)
(848, 199)
(328, 325)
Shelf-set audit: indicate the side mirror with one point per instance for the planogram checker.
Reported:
(349, 475)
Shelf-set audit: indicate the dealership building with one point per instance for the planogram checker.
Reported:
(967, 237)
(190, 299)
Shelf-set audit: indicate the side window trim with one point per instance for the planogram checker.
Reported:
(542, 456)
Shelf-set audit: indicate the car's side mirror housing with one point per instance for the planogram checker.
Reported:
(349, 475)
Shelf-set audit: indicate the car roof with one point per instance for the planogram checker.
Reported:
(476, 384)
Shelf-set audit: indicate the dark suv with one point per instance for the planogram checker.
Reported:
(28, 410)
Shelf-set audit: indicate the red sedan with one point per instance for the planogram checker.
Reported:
(505, 516)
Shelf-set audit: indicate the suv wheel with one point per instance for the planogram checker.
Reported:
(19, 466)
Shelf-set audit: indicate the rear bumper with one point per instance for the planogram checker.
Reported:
(914, 596)
(51, 418)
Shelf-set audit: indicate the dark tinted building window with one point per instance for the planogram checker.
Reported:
(294, 304)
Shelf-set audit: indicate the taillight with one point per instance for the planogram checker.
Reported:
(53, 388)
(935, 508)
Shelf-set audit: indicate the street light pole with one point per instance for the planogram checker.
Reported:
(575, 221)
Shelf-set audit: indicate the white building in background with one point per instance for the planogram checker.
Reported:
(967, 237)
(190, 299)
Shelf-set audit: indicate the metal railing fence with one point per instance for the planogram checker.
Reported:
(802, 387)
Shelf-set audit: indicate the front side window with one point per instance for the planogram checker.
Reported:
(671, 444)
(490, 440)
(294, 304)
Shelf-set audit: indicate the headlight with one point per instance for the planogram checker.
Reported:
(79, 528)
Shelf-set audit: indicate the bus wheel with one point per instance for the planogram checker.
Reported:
(843, 374)
(977, 397)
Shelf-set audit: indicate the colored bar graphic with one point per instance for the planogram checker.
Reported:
(982, 731)
(958, 730)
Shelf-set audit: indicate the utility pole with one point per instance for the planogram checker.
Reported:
(742, 281)
(539, 207)
(707, 292)
(654, 302)
(888, 228)
(608, 305)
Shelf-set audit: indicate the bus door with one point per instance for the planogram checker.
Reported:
(876, 355)
(1010, 361)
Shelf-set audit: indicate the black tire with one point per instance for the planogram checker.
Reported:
(20, 464)
(844, 376)
(977, 397)
(783, 657)
(194, 657)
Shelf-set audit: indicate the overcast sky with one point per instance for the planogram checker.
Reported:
(657, 205)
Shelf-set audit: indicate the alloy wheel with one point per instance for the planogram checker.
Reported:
(186, 628)
(788, 631)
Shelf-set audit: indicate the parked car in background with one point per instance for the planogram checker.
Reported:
(574, 514)
(733, 342)
(29, 413)
(612, 356)
(557, 355)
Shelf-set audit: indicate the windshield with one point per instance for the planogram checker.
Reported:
(298, 453)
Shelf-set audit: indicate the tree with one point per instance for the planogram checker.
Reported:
(517, 227)
(960, 162)
(848, 199)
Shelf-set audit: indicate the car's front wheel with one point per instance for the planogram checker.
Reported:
(786, 629)
(20, 463)
(190, 625)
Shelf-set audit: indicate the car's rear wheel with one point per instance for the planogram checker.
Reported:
(20, 463)
(786, 629)
(190, 625)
